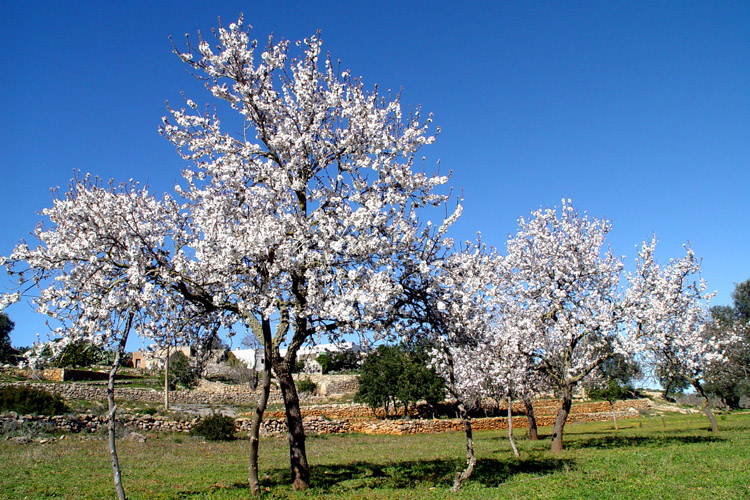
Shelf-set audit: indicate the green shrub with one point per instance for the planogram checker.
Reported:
(215, 427)
(181, 371)
(22, 399)
(83, 354)
(398, 374)
(338, 362)
(29, 428)
(306, 385)
(149, 411)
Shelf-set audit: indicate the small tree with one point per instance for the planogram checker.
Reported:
(83, 354)
(613, 382)
(460, 309)
(673, 321)
(381, 374)
(181, 371)
(6, 350)
(672, 382)
(730, 380)
(741, 301)
(393, 375)
(566, 305)
(420, 381)
(331, 362)
(306, 385)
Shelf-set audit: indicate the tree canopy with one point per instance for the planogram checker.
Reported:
(730, 380)
(6, 350)
(394, 375)
(308, 219)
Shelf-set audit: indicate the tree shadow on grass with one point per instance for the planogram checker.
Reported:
(394, 475)
(408, 474)
(616, 441)
(214, 488)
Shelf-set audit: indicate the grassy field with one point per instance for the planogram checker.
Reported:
(649, 458)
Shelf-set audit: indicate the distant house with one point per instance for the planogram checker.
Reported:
(255, 359)
(154, 360)
(311, 353)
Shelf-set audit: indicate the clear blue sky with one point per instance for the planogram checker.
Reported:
(639, 112)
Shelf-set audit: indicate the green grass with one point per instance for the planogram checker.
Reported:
(646, 459)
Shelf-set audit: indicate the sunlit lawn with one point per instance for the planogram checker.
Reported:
(648, 458)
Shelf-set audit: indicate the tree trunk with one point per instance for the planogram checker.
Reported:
(166, 381)
(706, 406)
(510, 430)
(471, 460)
(297, 455)
(614, 414)
(562, 416)
(260, 409)
(113, 409)
(533, 434)
(665, 394)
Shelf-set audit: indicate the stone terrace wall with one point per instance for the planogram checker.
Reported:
(98, 392)
(542, 408)
(214, 393)
(206, 393)
(313, 425)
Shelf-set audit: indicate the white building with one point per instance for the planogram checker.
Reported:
(254, 358)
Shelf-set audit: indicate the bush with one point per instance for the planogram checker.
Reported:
(29, 428)
(181, 372)
(215, 427)
(25, 400)
(83, 354)
(393, 375)
(337, 362)
(613, 390)
(306, 385)
(7, 353)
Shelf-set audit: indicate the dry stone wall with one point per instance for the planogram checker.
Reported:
(206, 392)
(98, 392)
(542, 408)
(217, 393)
(318, 419)
(318, 424)
(275, 426)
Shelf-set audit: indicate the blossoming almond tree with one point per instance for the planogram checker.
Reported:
(95, 266)
(513, 374)
(308, 219)
(472, 320)
(567, 308)
(672, 317)
(459, 313)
